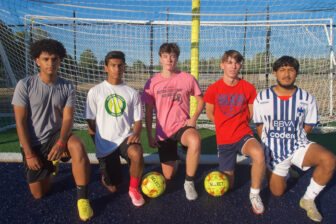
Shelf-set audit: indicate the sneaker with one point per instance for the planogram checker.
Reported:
(310, 207)
(136, 197)
(190, 191)
(55, 164)
(257, 205)
(84, 209)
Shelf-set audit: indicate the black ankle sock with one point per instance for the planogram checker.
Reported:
(189, 178)
(82, 192)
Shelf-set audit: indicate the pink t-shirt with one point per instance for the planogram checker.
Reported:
(231, 109)
(171, 97)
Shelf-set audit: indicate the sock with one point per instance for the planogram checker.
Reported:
(135, 182)
(189, 178)
(254, 191)
(313, 190)
(82, 192)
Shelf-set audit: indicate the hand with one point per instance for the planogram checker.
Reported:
(56, 152)
(152, 142)
(191, 123)
(34, 163)
(133, 139)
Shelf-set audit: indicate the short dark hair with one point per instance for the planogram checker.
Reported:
(233, 54)
(286, 61)
(114, 55)
(169, 48)
(49, 46)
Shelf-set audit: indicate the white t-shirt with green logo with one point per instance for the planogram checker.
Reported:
(115, 108)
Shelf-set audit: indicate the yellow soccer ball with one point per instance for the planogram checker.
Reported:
(216, 183)
(153, 184)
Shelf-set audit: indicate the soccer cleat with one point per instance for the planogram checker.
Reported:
(55, 164)
(310, 207)
(190, 191)
(136, 197)
(257, 205)
(84, 209)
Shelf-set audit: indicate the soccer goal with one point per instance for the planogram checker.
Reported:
(258, 35)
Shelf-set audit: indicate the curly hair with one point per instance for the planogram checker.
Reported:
(286, 61)
(49, 46)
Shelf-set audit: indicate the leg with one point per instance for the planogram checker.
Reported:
(192, 139)
(81, 174)
(253, 149)
(322, 160)
(80, 161)
(169, 169)
(277, 184)
(135, 154)
(41, 188)
(230, 176)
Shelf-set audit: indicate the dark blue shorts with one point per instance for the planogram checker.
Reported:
(227, 154)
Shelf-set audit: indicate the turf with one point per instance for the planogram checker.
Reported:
(9, 141)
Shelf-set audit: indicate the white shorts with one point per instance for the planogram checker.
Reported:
(296, 159)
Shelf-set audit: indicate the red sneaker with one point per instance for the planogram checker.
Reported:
(136, 197)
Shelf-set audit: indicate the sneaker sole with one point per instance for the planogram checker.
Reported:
(84, 220)
(315, 220)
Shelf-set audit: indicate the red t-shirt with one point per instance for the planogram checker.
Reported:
(231, 109)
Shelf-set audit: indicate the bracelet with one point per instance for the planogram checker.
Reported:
(30, 156)
(60, 144)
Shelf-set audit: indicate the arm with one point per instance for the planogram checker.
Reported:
(149, 121)
(210, 111)
(250, 108)
(307, 128)
(200, 105)
(92, 128)
(135, 137)
(21, 114)
(259, 129)
(67, 123)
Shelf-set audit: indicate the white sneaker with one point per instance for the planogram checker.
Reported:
(190, 191)
(257, 205)
(310, 207)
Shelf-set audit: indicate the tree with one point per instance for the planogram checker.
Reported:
(89, 65)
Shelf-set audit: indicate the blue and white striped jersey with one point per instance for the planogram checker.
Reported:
(283, 121)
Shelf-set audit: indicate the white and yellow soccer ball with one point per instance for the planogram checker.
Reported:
(153, 184)
(216, 183)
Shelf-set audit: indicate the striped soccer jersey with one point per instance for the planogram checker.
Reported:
(283, 122)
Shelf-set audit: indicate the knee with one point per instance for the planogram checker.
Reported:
(329, 163)
(257, 156)
(277, 192)
(135, 153)
(38, 195)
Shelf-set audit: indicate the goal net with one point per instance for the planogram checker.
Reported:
(261, 31)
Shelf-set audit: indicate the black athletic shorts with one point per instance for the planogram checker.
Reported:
(110, 166)
(42, 152)
(168, 147)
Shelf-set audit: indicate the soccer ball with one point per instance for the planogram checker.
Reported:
(216, 183)
(153, 184)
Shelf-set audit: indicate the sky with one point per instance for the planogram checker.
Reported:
(134, 40)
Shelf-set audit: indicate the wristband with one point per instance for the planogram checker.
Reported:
(30, 156)
(60, 144)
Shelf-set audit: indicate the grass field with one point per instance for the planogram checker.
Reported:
(9, 141)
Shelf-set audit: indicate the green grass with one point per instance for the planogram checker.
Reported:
(9, 141)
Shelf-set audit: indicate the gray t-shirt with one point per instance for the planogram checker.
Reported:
(45, 104)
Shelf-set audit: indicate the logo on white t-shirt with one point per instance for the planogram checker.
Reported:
(115, 105)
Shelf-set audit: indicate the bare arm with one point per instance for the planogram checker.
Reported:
(149, 108)
(250, 108)
(67, 123)
(135, 137)
(92, 128)
(200, 105)
(308, 128)
(210, 111)
(21, 114)
(259, 129)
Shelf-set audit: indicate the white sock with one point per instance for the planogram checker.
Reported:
(313, 190)
(254, 191)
